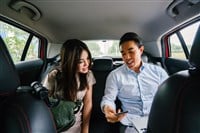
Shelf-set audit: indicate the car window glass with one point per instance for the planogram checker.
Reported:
(176, 48)
(15, 40)
(33, 49)
(101, 48)
(188, 33)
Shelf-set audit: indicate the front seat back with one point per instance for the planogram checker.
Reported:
(176, 106)
(20, 110)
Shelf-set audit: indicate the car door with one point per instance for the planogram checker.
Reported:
(177, 45)
(26, 48)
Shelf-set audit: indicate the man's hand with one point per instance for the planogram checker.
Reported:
(111, 116)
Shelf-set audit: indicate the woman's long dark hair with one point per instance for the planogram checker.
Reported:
(66, 80)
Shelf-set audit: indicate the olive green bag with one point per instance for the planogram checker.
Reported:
(64, 113)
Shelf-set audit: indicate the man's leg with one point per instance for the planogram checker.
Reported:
(127, 129)
(113, 128)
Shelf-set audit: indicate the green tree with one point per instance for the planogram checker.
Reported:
(15, 40)
(114, 50)
(94, 48)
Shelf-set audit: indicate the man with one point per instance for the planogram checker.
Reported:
(134, 83)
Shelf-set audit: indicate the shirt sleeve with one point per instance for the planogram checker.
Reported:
(111, 91)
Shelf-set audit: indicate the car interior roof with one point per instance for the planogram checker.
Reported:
(94, 19)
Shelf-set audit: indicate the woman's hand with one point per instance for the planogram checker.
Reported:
(52, 75)
(111, 116)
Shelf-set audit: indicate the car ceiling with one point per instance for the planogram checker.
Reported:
(96, 19)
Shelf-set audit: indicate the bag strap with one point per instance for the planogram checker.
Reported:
(78, 106)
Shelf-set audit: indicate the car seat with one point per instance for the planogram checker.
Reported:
(176, 106)
(101, 68)
(20, 110)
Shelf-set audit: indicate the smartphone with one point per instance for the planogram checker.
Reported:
(123, 112)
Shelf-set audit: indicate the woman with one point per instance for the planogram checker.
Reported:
(73, 80)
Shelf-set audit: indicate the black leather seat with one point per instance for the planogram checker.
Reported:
(176, 106)
(101, 68)
(20, 112)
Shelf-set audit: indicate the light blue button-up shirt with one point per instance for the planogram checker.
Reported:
(135, 90)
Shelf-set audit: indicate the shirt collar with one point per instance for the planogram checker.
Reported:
(129, 70)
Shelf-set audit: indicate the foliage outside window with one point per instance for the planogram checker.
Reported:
(15, 40)
(33, 49)
(100, 48)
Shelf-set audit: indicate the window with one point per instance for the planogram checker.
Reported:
(16, 40)
(33, 51)
(176, 48)
(189, 33)
(101, 48)
(181, 41)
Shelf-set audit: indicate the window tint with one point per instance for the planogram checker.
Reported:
(16, 40)
(176, 48)
(33, 51)
(101, 48)
(181, 41)
(189, 33)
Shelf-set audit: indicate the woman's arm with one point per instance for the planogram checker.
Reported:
(49, 81)
(87, 110)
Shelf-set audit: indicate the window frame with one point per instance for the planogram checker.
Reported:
(165, 39)
(42, 40)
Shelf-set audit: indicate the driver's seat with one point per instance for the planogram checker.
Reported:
(176, 106)
(20, 111)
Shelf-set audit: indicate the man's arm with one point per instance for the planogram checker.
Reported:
(108, 101)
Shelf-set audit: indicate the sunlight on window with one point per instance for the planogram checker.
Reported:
(188, 33)
(100, 48)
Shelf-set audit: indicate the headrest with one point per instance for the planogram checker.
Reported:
(102, 64)
(8, 76)
(194, 58)
(144, 58)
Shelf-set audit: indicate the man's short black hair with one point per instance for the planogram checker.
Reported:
(131, 36)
